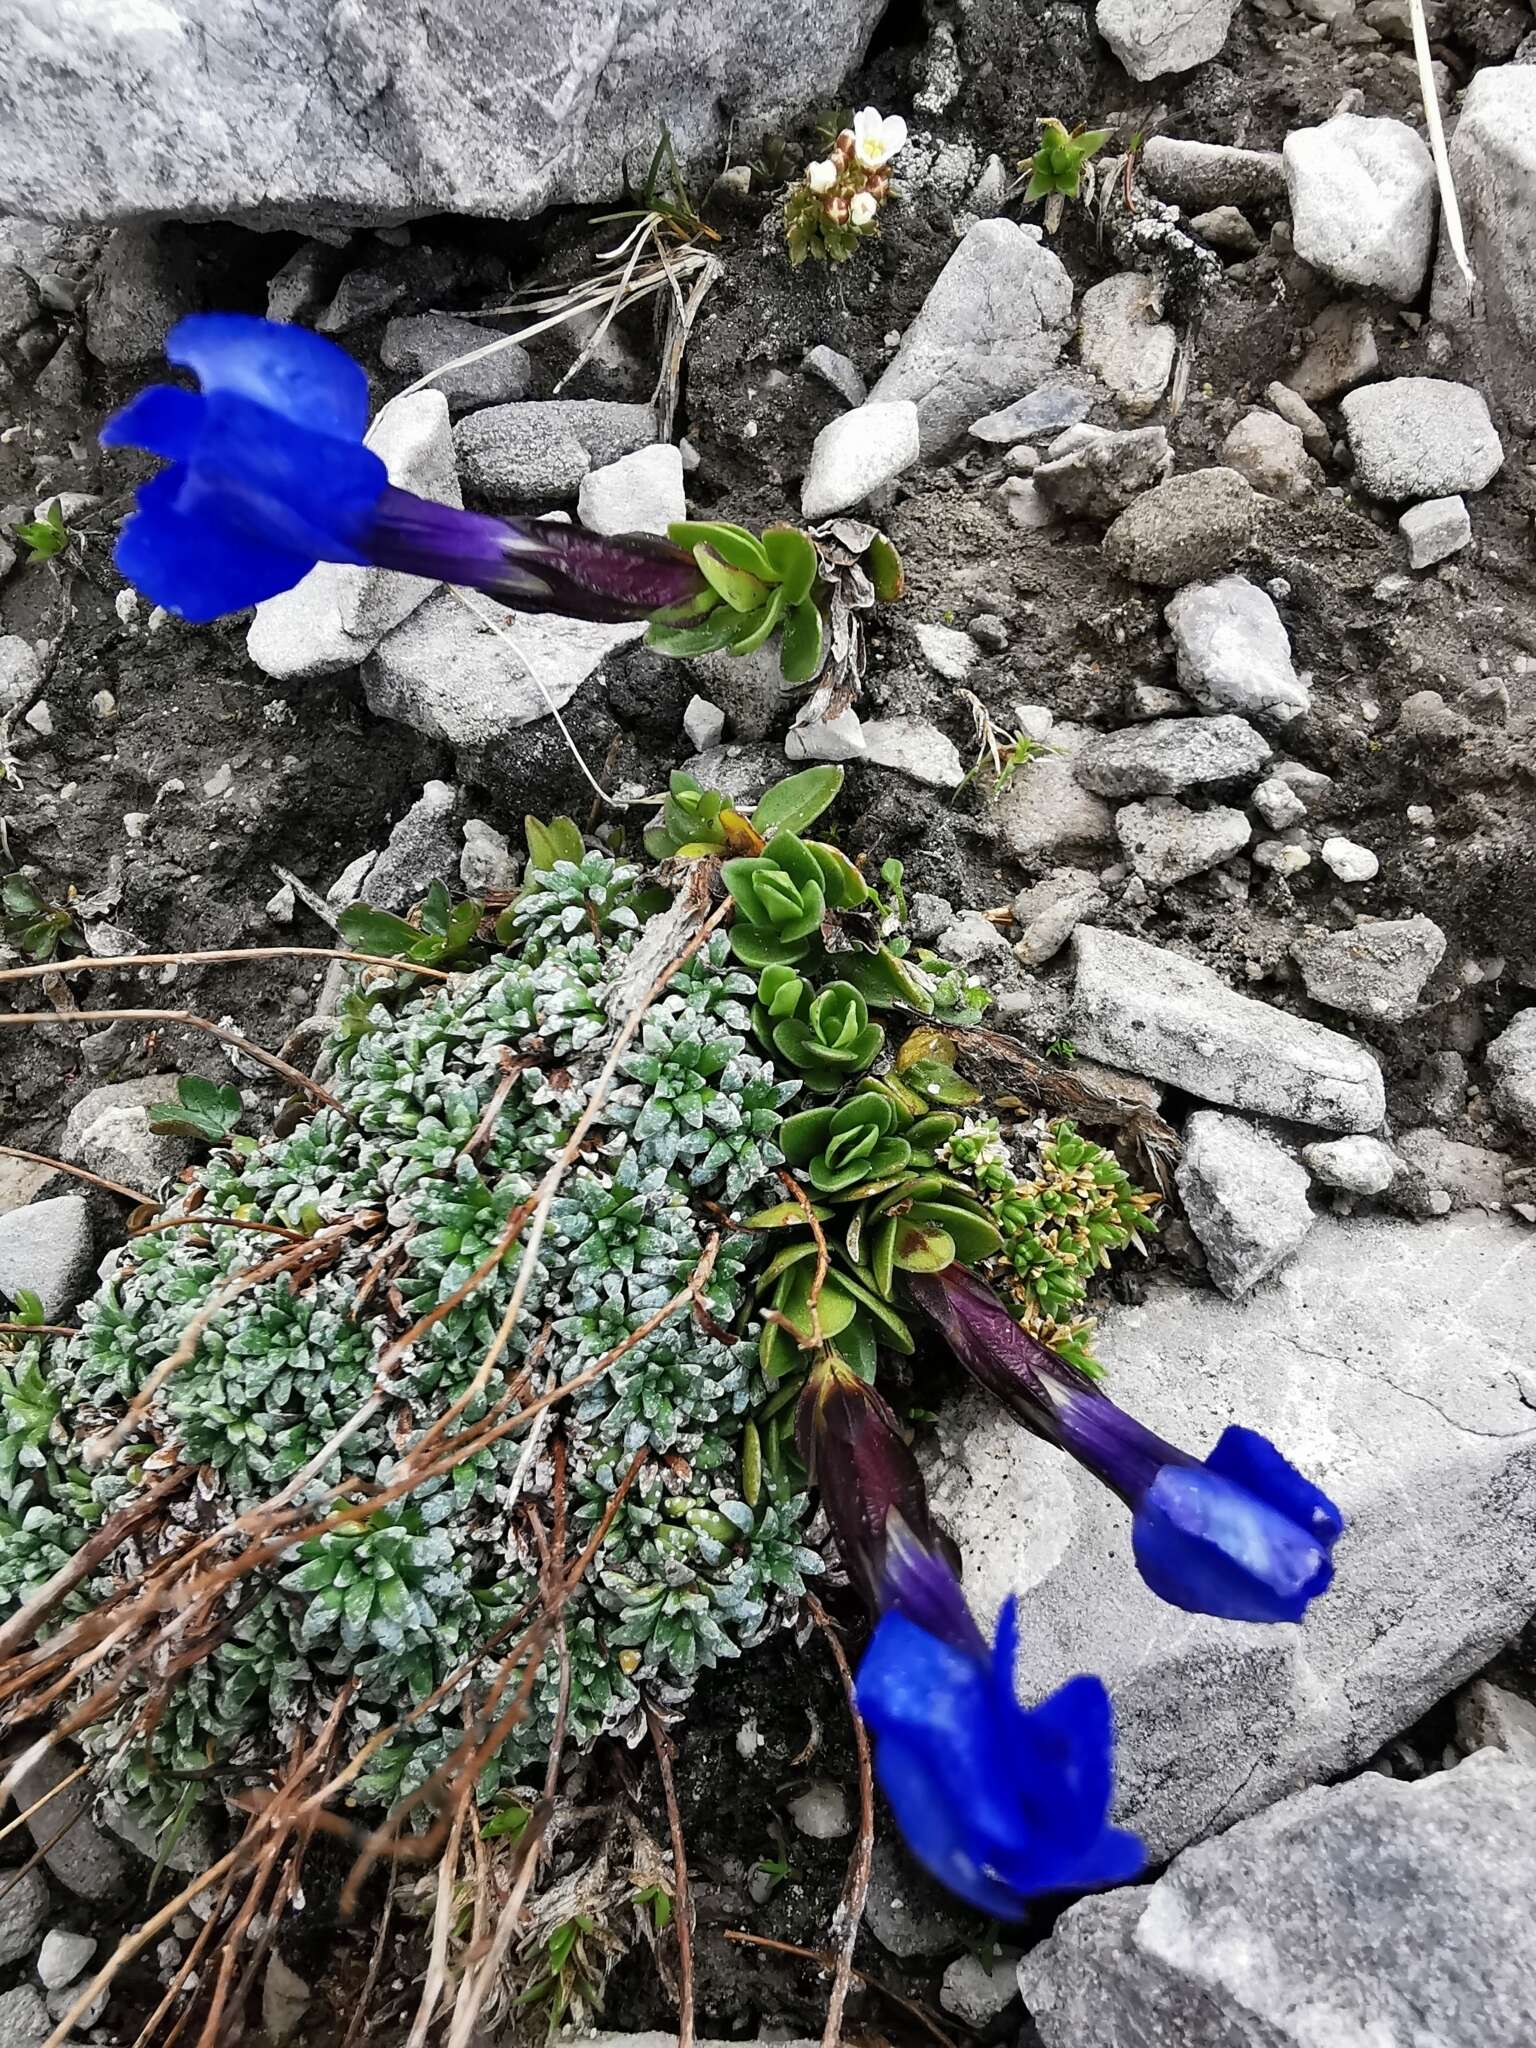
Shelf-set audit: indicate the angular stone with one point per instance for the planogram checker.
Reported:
(1123, 340)
(1095, 472)
(1203, 174)
(449, 675)
(1296, 412)
(1166, 755)
(294, 113)
(146, 281)
(543, 447)
(48, 1248)
(826, 739)
(1351, 863)
(1493, 166)
(1435, 1166)
(1489, 1717)
(1154, 37)
(1157, 1013)
(1245, 1198)
(1045, 812)
(1061, 401)
(1375, 971)
(1342, 353)
(1512, 1063)
(1385, 1362)
(1234, 652)
(978, 1992)
(1271, 453)
(419, 343)
(21, 673)
(63, 1956)
(1229, 229)
(1046, 915)
(836, 370)
(108, 1131)
(1374, 1912)
(640, 493)
(24, 2021)
(990, 329)
(949, 653)
(78, 1855)
(23, 1910)
(1421, 437)
(422, 849)
(1165, 842)
(1435, 529)
(1362, 195)
(913, 746)
(856, 454)
(1358, 1166)
(703, 724)
(1190, 526)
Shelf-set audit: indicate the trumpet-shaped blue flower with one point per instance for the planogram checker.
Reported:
(1240, 1534)
(1000, 1802)
(268, 475)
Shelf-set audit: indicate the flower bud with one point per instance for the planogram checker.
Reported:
(861, 210)
(836, 209)
(843, 146)
(821, 177)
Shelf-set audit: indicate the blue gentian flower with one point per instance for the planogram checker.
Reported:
(1000, 1802)
(269, 475)
(1240, 1534)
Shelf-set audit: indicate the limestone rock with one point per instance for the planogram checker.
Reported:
(1435, 529)
(294, 113)
(108, 1131)
(1166, 842)
(1342, 354)
(1421, 437)
(1512, 1063)
(1095, 472)
(914, 747)
(419, 343)
(48, 1248)
(1375, 971)
(1167, 755)
(1373, 1911)
(1234, 652)
(1045, 812)
(542, 447)
(1197, 175)
(856, 454)
(1123, 340)
(1245, 1198)
(1362, 197)
(990, 329)
(1357, 1166)
(1191, 526)
(640, 493)
(1272, 454)
(1158, 1013)
(1154, 37)
(1385, 1361)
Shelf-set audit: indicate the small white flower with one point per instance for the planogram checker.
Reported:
(862, 209)
(876, 140)
(821, 177)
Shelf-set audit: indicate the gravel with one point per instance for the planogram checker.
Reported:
(640, 493)
(1047, 913)
(914, 747)
(1095, 472)
(1512, 1063)
(1357, 1166)
(1198, 175)
(1046, 813)
(1061, 401)
(1435, 529)
(1342, 354)
(1272, 454)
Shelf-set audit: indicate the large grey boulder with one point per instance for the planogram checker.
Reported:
(1381, 1913)
(992, 327)
(368, 110)
(1386, 1360)
(1160, 1014)
(1362, 197)
(1493, 164)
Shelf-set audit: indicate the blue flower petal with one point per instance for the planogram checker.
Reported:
(195, 566)
(299, 375)
(1252, 1461)
(1209, 1546)
(999, 1801)
(163, 420)
(289, 488)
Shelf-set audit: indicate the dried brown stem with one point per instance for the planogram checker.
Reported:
(86, 963)
(829, 1962)
(823, 1256)
(850, 1911)
(682, 1902)
(113, 1187)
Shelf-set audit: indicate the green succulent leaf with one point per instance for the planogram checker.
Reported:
(797, 801)
(801, 648)
(733, 545)
(793, 558)
(885, 570)
(741, 590)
